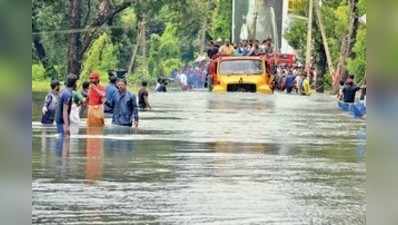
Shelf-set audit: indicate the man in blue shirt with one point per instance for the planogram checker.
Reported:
(290, 81)
(110, 91)
(124, 104)
(62, 117)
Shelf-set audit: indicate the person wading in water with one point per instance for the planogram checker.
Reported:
(96, 98)
(349, 90)
(50, 104)
(110, 90)
(65, 105)
(143, 96)
(124, 104)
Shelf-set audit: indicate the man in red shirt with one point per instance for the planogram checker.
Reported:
(96, 99)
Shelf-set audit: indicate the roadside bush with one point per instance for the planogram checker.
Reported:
(38, 72)
(101, 57)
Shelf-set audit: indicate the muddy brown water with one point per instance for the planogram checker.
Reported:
(204, 158)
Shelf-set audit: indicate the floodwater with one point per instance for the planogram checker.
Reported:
(204, 158)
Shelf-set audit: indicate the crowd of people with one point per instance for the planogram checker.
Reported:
(66, 106)
(289, 78)
(161, 85)
(191, 77)
(294, 79)
(243, 48)
(286, 78)
(195, 76)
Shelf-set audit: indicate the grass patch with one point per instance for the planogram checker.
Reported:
(40, 86)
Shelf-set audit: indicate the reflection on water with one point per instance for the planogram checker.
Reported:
(200, 158)
(94, 154)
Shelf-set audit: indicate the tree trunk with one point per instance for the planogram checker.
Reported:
(77, 47)
(41, 54)
(355, 25)
(324, 38)
(309, 37)
(74, 59)
(347, 45)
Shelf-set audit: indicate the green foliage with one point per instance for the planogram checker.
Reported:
(173, 34)
(299, 8)
(189, 23)
(334, 47)
(335, 15)
(101, 57)
(342, 16)
(296, 36)
(141, 72)
(128, 18)
(221, 21)
(357, 65)
(362, 7)
(154, 56)
(329, 19)
(169, 42)
(169, 65)
(165, 54)
(327, 81)
(38, 72)
(49, 16)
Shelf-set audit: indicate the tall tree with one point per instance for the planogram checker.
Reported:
(44, 42)
(347, 44)
(78, 44)
(74, 60)
(42, 54)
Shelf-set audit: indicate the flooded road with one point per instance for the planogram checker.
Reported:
(203, 158)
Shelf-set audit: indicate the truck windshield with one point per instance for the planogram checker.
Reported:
(244, 66)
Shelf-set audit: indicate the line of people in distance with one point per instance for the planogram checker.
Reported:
(293, 78)
(243, 48)
(191, 76)
(65, 107)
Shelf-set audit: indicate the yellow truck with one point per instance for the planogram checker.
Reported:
(243, 74)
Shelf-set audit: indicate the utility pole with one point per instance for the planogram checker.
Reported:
(135, 49)
(309, 36)
(324, 38)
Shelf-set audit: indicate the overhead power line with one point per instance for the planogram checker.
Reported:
(80, 30)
